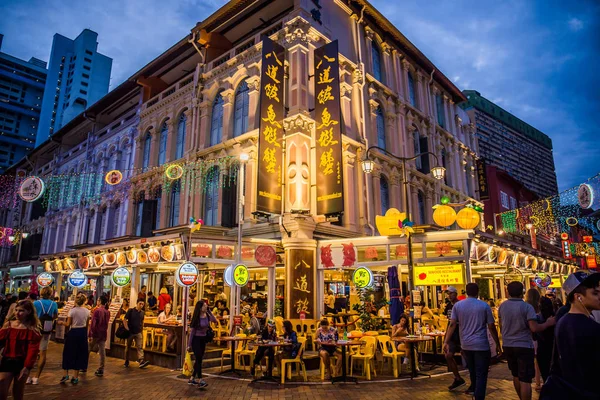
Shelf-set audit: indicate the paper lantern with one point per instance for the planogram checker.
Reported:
(444, 216)
(468, 218)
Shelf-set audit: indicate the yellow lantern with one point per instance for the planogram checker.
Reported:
(444, 215)
(468, 218)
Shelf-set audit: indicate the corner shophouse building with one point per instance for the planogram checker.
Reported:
(389, 95)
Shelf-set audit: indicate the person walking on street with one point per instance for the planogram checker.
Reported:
(197, 340)
(454, 341)
(474, 318)
(75, 350)
(545, 338)
(134, 323)
(20, 338)
(518, 321)
(98, 332)
(577, 342)
(47, 312)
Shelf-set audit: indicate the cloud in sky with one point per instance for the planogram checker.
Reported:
(535, 58)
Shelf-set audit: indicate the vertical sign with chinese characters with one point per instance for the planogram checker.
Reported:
(484, 192)
(301, 270)
(330, 199)
(270, 141)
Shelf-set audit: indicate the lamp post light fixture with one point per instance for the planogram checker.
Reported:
(244, 157)
(438, 172)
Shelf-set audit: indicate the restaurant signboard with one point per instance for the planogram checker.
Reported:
(437, 275)
(330, 199)
(45, 279)
(187, 274)
(270, 137)
(241, 275)
(77, 279)
(301, 274)
(482, 184)
(120, 277)
(362, 277)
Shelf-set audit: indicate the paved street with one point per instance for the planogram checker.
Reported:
(159, 383)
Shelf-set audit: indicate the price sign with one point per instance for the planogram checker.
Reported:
(120, 277)
(187, 274)
(241, 275)
(237, 320)
(362, 277)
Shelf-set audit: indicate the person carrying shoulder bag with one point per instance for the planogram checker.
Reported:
(200, 334)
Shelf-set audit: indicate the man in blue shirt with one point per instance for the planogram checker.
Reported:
(474, 317)
(47, 312)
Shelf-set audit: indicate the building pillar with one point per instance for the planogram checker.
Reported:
(404, 66)
(204, 125)
(172, 125)
(299, 58)
(253, 101)
(301, 268)
(350, 217)
(228, 96)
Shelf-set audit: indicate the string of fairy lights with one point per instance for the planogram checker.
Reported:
(551, 216)
(88, 188)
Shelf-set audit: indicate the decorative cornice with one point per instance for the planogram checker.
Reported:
(297, 123)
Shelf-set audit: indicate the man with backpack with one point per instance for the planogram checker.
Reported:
(47, 312)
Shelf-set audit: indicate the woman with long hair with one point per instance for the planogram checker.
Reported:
(197, 340)
(292, 346)
(167, 317)
(20, 337)
(75, 350)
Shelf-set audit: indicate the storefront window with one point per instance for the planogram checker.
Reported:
(444, 249)
(371, 253)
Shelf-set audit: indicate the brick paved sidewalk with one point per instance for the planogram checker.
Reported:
(154, 383)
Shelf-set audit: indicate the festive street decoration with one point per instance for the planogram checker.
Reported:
(444, 215)
(113, 177)
(468, 218)
(394, 223)
(174, 171)
(195, 224)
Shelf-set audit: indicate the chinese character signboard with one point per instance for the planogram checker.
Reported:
(270, 139)
(328, 130)
(438, 275)
(302, 293)
(484, 192)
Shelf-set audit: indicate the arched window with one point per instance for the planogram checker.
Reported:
(411, 91)
(384, 192)
(139, 210)
(211, 197)
(240, 114)
(380, 127)
(156, 224)
(162, 144)
(115, 218)
(421, 204)
(89, 234)
(376, 56)
(180, 136)
(229, 196)
(439, 106)
(147, 144)
(468, 178)
(174, 212)
(417, 149)
(216, 125)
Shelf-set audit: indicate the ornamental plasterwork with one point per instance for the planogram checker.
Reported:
(247, 57)
(298, 123)
(172, 98)
(300, 31)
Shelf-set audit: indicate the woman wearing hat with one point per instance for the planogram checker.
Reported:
(268, 334)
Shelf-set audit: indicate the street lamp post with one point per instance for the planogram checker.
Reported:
(244, 157)
(438, 172)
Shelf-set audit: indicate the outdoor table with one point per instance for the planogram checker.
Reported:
(268, 378)
(233, 340)
(435, 335)
(343, 344)
(413, 355)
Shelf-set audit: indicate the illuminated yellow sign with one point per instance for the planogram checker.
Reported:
(438, 275)
(241, 275)
(113, 177)
(362, 277)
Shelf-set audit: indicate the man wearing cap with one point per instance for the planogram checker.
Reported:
(268, 334)
(577, 342)
(517, 321)
(454, 341)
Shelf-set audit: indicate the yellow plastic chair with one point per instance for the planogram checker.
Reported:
(332, 362)
(297, 360)
(367, 355)
(246, 351)
(388, 350)
(278, 325)
(371, 333)
(238, 348)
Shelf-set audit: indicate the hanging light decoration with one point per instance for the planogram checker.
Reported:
(444, 215)
(468, 218)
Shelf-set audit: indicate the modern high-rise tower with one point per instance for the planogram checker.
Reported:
(21, 92)
(78, 76)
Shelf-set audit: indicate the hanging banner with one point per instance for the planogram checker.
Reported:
(45, 279)
(120, 277)
(482, 183)
(300, 272)
(330, 199)
(187, 274)
(77, 279)
(270, 140)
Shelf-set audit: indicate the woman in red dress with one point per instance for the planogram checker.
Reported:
(20, 338)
